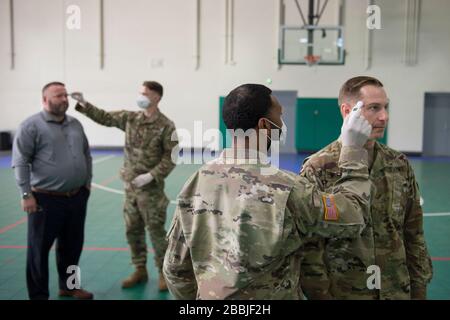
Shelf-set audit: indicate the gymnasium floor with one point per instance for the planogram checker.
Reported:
(106, 259)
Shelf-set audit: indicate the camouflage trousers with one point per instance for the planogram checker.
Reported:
(146, 209)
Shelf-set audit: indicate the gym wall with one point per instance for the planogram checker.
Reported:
(154, 40)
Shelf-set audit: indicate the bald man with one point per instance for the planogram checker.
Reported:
(53, 168)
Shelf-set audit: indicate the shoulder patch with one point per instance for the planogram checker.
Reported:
(330, 210)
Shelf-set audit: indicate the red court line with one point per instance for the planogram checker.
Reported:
(85, 248)
(13, 247)
(4, 229)
(108, 180)
(24, 219)
(105, 249)
(151, 250)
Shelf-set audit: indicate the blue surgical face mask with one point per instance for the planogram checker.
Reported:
(143, 102)
(283, 133)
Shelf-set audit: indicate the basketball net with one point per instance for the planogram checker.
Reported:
(312, 60)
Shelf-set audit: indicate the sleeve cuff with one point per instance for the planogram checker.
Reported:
(25, 190)
(353, 154)
(81, 108)
(418, 291)
(154, 175)
(319, 296)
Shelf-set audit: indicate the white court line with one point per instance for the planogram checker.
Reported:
(103, 159)
(98, 186)
(437, 214)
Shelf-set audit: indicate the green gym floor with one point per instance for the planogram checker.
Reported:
(105, 260)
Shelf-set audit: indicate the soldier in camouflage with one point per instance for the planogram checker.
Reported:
(393, 238)
(240, 223)
(149, 140)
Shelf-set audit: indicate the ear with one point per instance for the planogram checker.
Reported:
(262, 124)
(345, 109)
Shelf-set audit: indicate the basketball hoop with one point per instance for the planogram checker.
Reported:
(312, 60)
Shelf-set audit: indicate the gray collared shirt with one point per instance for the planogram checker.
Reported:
(51, 155)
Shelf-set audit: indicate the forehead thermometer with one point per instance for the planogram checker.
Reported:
(358, 105)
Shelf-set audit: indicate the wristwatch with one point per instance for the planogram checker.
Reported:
(26, 195)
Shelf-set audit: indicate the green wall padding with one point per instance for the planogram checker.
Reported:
(226, 139)
(318, 123)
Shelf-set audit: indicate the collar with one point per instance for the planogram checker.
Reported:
(153, 118)
(242, 156)
(382, 156)
(51, 118)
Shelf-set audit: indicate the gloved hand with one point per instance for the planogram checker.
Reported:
(142, 180)
(356, 129)
(78, 96)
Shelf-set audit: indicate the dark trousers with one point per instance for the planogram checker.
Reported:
(60, 218)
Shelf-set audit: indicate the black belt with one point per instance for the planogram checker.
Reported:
(67, 194)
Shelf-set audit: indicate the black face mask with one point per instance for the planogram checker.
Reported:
(269, 144)
(272, 127)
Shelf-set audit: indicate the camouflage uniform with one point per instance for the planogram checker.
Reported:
(148, 148)
(237, 234)
(393, 239)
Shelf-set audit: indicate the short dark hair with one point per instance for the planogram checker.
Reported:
(53, 83)
(245, 105)
(155, 86)
(351, 88)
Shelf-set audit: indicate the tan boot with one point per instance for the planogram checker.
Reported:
(138, 276)
(162, 286)
(77, 294)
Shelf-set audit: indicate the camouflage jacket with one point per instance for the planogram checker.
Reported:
(393, 239)
(148, 141)
(237, 233)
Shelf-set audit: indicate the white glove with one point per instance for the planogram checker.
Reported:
(78, 96)
(142, 180)
(356, 129)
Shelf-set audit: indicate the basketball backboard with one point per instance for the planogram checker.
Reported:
(303, 45)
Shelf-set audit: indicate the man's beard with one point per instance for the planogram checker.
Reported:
(58, 109)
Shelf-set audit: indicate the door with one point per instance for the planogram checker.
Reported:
(318, 123)
(436, 133)
(288, 99)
